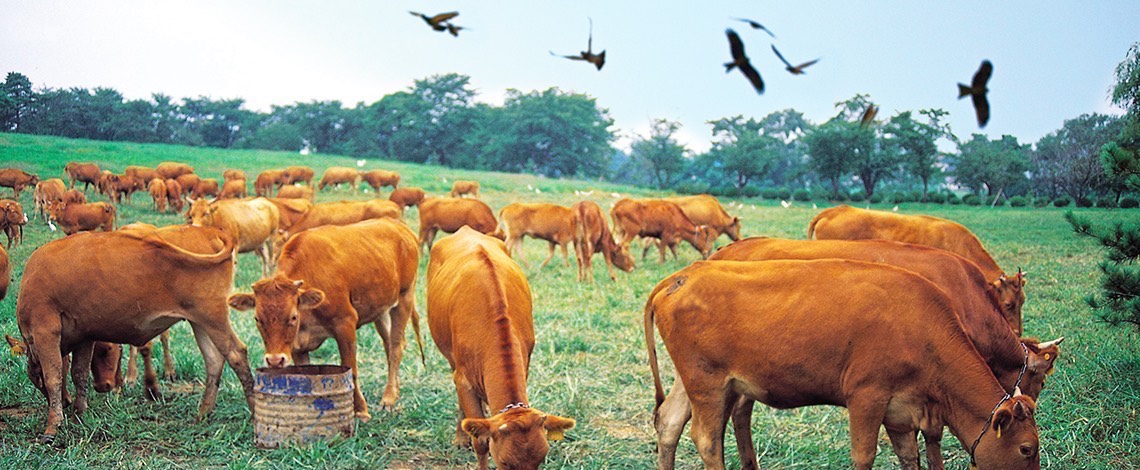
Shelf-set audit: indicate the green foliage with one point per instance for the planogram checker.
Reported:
(1084, 202)
(750, 191)
(1129, 202)
(916, 141)
(936, 198)
(1068, 160)
(743, 150)
(1062, 201)
(858, 196)
(692, 188)
(953, 199)
(1018, 201)
(991, 166)
(1041, 201)
(801, 195)
(875, 198)
(660, 153)
(770, 193)
(1106, 202)
(972, 200)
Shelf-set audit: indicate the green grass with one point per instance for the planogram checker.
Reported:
(589, 362)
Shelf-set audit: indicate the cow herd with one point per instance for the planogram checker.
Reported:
(904, 320)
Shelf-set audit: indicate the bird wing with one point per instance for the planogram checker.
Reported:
(571, 57)
(781, 56)
(590, 39)
(868, 115)
(982, 108)
(983, 75)
(753, 76)
(444, 17)
(756, 25)
(806, 64)
(736, 46)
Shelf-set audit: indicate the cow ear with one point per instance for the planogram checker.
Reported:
(1001, 420)
(310, 299)
(242, 302)
(556, 427)
(477, 428)
(19, 348)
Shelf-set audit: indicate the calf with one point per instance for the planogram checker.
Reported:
(335, 213)
(86, 173)
(205, 187)
(49, 190)
(380, 178)
(122, 186)
(660, 219)
(449, 214)
(73, 218)
(407, 196)
(233, 175)
(250, 223)
(12, 220)
(549, 222)
(297, 174)
(267, 181)
(479, 313)
(188, 181)
(592, 235)
(335, 176)
(142, 174)
(143, 286)
(174, 195)
(768, 332)
(17, 180)
(172, 170)
(289, 210)
(331, 281)
(704, 209)
(460, 187)
(296, 192)
(157, 192)
(233, 189)
(74, 196)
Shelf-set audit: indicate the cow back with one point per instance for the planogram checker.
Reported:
(449, 214)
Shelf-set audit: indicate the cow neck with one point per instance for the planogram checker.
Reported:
(969, 394)
(992, 335)
(504, 370)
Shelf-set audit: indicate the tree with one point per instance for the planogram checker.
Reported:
(990, 165)
(916, 141)
(219, 123)
(660, 152)
(1068, 160)
(788, 127)
(16, 97)
(830, 146)
(742, 150)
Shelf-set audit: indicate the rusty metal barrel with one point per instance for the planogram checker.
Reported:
(302, 404)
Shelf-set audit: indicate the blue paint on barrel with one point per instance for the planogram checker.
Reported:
(302, 404)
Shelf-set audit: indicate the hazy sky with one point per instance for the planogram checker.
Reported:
(1052, 60)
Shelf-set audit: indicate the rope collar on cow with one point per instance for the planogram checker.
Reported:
(513, 406)
(1007, 397)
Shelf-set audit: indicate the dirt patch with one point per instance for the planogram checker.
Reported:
(419, 462)
(182, 387)
(16, 412)
(620, 429)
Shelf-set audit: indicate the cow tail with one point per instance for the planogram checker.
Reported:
(811, 227)
(114, 213)
(419, 338)
(226, 253)
(651, 348)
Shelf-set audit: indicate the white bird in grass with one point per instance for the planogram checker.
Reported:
(813, 206)
(361, 163)
(896, 209)
(786, 204)
(616, 195)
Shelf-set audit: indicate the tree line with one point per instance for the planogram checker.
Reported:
(562, 134)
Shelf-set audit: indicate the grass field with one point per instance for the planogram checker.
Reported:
(589, 362)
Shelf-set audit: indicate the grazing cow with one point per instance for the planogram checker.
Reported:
(331, 281)
(103, 186)
(86, 173)
(335, 213)
(974, 302)
(12, 221)
(250, 223)
(549, 222)
(143, 286)
(172, 170)
(267, 181)
(233, 189)
(460, 187)
(289, 210)
(122, 186)
(205, 187)
(297, 174)
(704, 209)
(73, 218)
(17, 180)
(663, 220)
(479, 313)
(336, 175)
(174, 195)
(189, 181)
(592, 235)
(49, 190)
(850, 223)
(296, 192)
(407, 196)
(157, 190)
(768, 332)
(233, 175)
(449, 214)
(74, 196)
(380, 178)
(142, 173)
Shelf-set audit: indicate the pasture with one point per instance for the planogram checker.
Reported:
(589, 362)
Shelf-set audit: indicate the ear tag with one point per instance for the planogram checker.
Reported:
(999, 432)
(554, 435)
(1046, 356)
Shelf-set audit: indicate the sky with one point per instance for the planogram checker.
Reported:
(1052, 60)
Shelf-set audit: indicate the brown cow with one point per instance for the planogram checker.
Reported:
(5, 272)
(267, 181)
(172, 170)
(335, 213)
(48, 190)
(479, 312)
(296, 192)
(174, 195)
(17, 180)
(289, 210)
(380, 178)
(549, 222)
(660, 219)
(142, 173)
(407, 196)
(188, 181)
(233, 175)
(74, 196)
(250, 223)
(103, 186)
(460, 187)
(297, 174)
(12, 221)
(233, 189)
(144, 286)
(330, 282)
(449, 214)
(850, 223)
(592, 235)
(336, 175)
(974, 301)
(86, 173)
(704, 209)
(205, 187)
(122, 186)
(157, 192)
(73, 218)
(768, 332)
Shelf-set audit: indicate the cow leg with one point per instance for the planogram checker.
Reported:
(300, 358)
(214, 365)
(551, 255)
(263, 253)
(81, 375)
(866, 413)
(132, 366)
(933, 440)
(514, 246)
(346, 343)
(742, 428)
(470, 406)
(167, 360)
(565, 256)
(646, 243)
(670, 421)
(65, 372)
(710, 416)
(51, 368)
(661, 243)
(394, 348)
(905, 444)
(220, 335)
(150, 379)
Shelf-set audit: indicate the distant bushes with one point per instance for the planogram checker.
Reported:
(953, 199)
(801, 195)
(1062, 201)
(876, 198)
(1018, 201)
(858, 196)
(972, 200)
(936, 198)
(1129, 202)
(1106, 202)
(1084, 202)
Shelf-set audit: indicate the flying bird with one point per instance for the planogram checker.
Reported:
(797, 70)
(756, 25)
(868, 115)
(588, 55)
(454, 30)
(739, 60)
(977, 92)
(437, 22)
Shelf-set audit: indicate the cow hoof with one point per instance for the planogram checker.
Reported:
(462, 443)
(170, 376)
(46, 439)
(388, 407)
(363, 416)
(153, 395)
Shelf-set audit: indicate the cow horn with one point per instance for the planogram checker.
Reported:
(298, 282)
(1050, 343)
(1017, 391)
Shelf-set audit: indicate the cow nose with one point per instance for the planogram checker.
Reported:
(104, 386)
(275, 361)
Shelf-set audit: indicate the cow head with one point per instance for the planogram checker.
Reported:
(277, 303)
(1010, 292)
(1011, 441)
(1042, 356)
(201, 212)
(519, 438)
(105, 366)
(622, 258)
(705, 240)
(733, 230)
(55, 209)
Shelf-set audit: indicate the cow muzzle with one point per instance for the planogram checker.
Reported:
(276, 361)
(104, 386)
